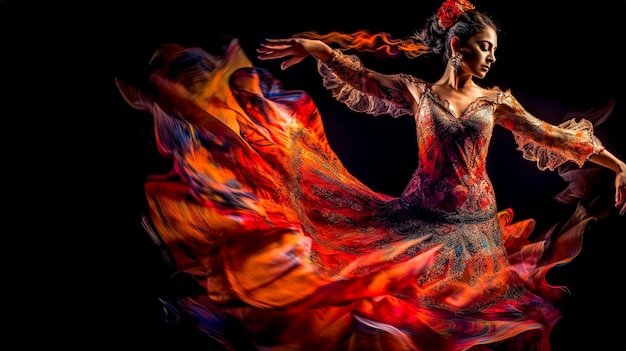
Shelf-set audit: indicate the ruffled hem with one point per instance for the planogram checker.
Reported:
(548, 159)
(353, 98)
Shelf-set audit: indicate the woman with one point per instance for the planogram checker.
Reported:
(291, 251)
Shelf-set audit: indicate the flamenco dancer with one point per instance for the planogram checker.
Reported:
(287, 250)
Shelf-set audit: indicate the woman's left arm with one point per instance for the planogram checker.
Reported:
(551, 145)
(608, 160)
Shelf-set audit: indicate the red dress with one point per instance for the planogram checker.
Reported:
(295, 253)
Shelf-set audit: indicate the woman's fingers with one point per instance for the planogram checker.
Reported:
(620, 199)
(272, 51)
(293, 50)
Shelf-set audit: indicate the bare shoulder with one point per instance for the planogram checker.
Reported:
(493, 92)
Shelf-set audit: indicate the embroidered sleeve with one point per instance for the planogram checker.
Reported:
(364, 90)
(547, 144)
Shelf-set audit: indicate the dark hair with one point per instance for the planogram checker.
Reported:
(438, 40)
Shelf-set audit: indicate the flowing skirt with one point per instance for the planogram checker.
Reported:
(284, 249)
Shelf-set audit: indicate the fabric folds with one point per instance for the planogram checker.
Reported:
(289, 251)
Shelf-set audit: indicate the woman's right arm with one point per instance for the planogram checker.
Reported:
(360, 88)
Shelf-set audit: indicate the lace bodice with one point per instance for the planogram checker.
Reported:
(451, 175)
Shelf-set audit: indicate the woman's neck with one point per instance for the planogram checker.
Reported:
(453, 80)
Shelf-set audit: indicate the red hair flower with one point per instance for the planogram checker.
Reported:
(450, 11)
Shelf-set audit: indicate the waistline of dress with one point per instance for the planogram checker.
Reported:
(434, 215)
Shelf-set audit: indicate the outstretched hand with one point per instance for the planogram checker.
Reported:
(293, 50)
(620, 192)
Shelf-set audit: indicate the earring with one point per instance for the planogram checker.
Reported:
(455, 61)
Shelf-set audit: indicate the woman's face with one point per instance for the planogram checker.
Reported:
(480, 52)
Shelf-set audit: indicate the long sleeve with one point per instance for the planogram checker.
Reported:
(362, 89)
(547, 144)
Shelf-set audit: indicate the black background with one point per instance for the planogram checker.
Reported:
(79, 272)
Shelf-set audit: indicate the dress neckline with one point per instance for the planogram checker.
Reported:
(445, 104)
